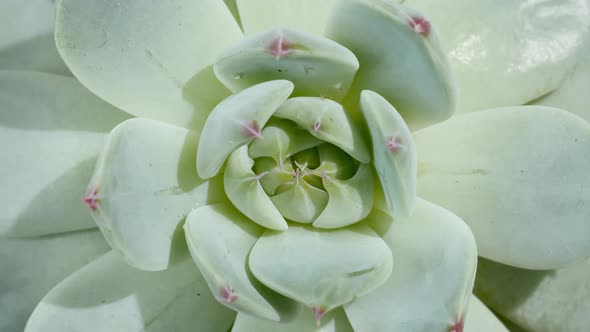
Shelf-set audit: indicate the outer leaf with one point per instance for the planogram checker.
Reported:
(24, 20)
(305, 15)
(481, 319)
(144, 186)
(519, 177)
(33, 266)
(572, 93)
(435, 257)
(237, 121)
(220, 240)
(328, 121)
(334, 321)
(51, 130)
(109, 295)
(508, 52)
(244, 190)
(317, 66)
(543, 301)
(26, 37)
(150, 59)
(322, 269)
(394, 153)
(399, 57)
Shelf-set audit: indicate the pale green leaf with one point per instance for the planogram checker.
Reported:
(244, 190)
(26, 37)
(109, 295)
(349, 200)
(220, 239)
(435, 258)
(276, 174)
(334, 321)
(51, 131)
(316, 65)
(394, 153)
(31, 267)
(572, 94)
(299, 201)
(151, 59)
(237, 121)
(328, 121)
(282, 139)
(336, 163)
(322, 269)
(306, 15)
(509, 52)
(144, 186)
(518, 176)
(540, 301)
(399, 56)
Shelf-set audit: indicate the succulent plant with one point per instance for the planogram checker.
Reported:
(305, 175)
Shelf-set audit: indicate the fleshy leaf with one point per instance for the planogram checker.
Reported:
(540, 301)
(435, 258)
(509, 52)
(300, 201)
(481, 319)
(244, 190)
(304, 15)
(144, 186)
(281, 140)
(109, 295)
(24, 20)
(276, 174)
(333, 321)
(26, 37)
(349, 200)
(335, 162)
(33, 266)
(51, 131)
(572, 94)
(518, 176)
(152, 60)
(328, 121)
(220, 239)
(394, 153)
(236, 121)
(322, 269)
(399, 56)
(316, 65)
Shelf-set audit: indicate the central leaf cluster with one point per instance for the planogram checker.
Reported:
(293, 151)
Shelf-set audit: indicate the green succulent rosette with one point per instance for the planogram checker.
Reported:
(298, 177)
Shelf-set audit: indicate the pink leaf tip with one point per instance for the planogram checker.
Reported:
(279, 47)
(227, 295)
(318, 312)
(90, 199)
(394, 144)
(420, 25)
(458, 325)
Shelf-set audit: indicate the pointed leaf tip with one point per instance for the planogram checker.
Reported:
(236, 121)
(244, 190)
(394, 153)
(220, 239)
